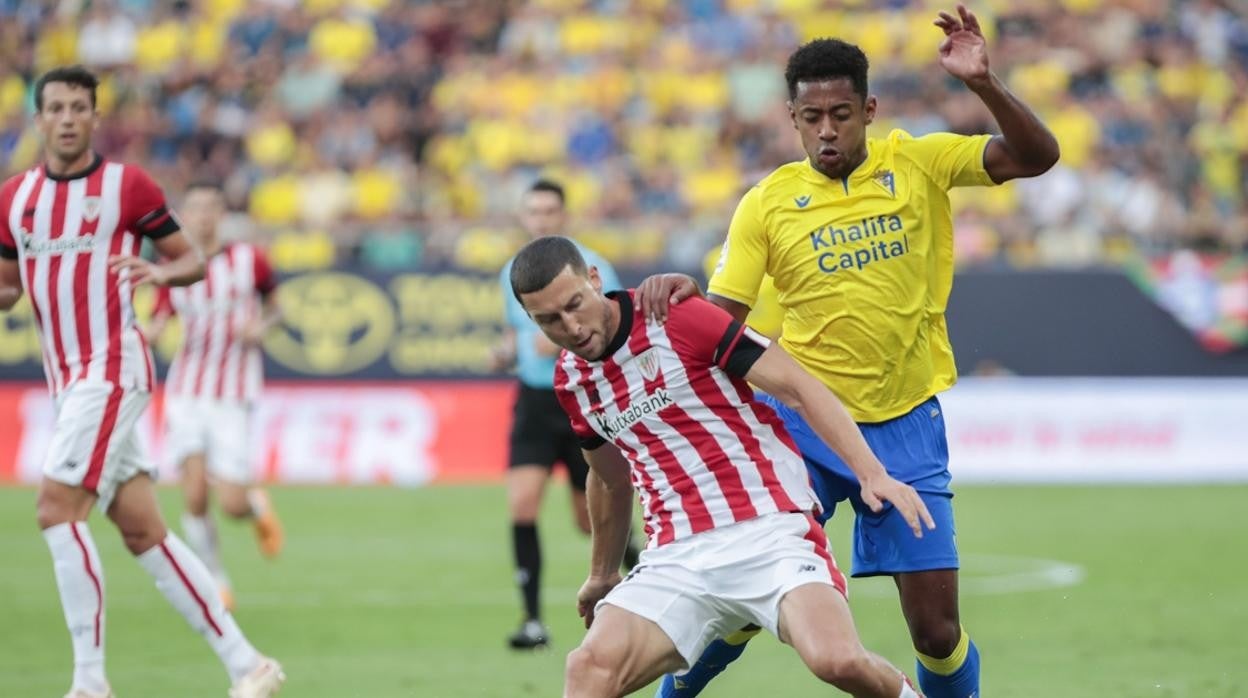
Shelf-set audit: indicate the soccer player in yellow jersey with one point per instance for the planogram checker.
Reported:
(859, 240)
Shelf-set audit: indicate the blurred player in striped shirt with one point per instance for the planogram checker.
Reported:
(70, 232)
(727, 503)
(215, 379)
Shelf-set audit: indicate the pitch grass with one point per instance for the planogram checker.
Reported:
(387, 592)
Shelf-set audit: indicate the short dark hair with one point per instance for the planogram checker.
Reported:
(551, 186)
(540, 261)
(827, 59)
(75, 75)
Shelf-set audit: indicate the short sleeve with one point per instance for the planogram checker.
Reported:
(743, 259)
(703, 331)
(266, 281)
(8, 245)
(585, 434)
(148, 213)
(951, 160)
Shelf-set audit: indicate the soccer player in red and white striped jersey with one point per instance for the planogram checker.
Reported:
(70, 231)
(726, 499)
(216, 378)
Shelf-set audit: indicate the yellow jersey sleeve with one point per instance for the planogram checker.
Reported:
(743, 259)
(951, 160)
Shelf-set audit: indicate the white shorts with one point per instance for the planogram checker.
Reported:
(95, 444)
(217, 429)
(711, 584)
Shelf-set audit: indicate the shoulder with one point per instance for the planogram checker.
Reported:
(11, 184)
(780, 181)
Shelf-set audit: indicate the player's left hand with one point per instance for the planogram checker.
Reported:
(904, 499)
(141, 270)
(964, 52)
(660, 291)
(593, 591)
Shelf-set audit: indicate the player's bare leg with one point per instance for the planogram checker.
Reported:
(240, 501)
(198, 526)
(815, 620)
(525, 486)
(62, 512)
(929, 602)
(188, 586)
(621, 653)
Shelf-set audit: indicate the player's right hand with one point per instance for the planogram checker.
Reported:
(656, 293)
(904, 499)
(593, 591)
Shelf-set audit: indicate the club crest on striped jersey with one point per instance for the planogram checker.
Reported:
(90, 208)
(648, 364)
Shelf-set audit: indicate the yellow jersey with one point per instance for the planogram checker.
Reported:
(766, 315)
(863, 266)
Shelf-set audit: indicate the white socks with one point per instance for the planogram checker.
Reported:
(906, 690)
(188, 585)
(80, 580)
(201, 536)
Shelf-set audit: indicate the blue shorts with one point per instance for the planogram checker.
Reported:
(913, 449)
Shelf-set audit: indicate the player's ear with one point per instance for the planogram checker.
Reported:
(595, 279)
(792, 113)
(868, 109)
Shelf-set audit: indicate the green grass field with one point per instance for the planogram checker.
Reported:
(387, 592)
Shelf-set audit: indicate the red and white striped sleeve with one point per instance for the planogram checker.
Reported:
(565, 391)
(146, 211)
(8, 244)
(703, 330)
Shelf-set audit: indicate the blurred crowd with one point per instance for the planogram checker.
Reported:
(401, 134)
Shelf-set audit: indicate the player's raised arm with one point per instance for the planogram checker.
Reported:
(779, 375)
(1026, 147)
(609, 492)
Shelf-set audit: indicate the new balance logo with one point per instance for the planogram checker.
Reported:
(69, 465)
(801, 201)
(807, 568)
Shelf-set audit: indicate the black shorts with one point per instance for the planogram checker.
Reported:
(542, 435)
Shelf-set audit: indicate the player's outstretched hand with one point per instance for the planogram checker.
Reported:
(964, 52)
(592, 591)
(903, 498)
(141, 270)
(656, 293)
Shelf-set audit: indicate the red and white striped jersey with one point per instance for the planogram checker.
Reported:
(214, 361)
(704, 452)
(62, 230)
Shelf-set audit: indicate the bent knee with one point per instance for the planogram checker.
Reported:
(140, 539)
(937, 640)
(53, 510)
(843, 668)
(588, 673)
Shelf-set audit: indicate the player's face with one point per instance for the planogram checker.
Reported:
(572, 312)
(67, 120)
(201, 213)
(543, 214)
(832, 120)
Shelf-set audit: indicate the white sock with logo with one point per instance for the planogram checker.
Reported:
(187, 584)
(80, 581)
(907, 691)
(201, 536)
